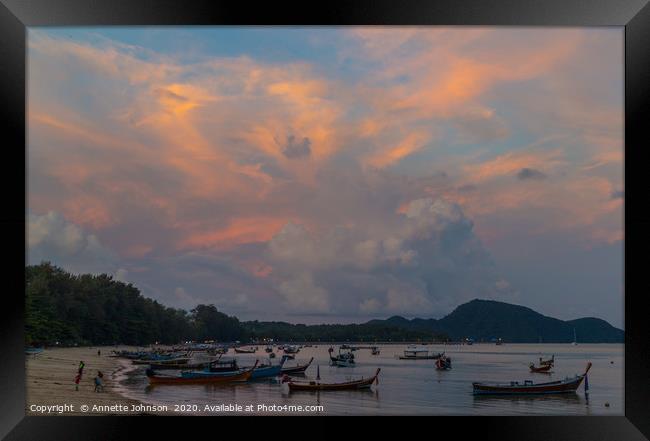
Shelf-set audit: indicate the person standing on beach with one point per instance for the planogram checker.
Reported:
(99, 386)
(99, 352)
(79, 374)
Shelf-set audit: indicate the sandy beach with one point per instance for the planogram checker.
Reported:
(51, 389)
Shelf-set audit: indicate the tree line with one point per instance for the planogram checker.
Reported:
(88, 309)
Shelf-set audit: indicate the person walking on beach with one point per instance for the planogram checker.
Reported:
(99, 386)
(80, 372)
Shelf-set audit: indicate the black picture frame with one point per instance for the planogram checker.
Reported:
(16, 15)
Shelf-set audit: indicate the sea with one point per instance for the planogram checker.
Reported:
(406, 387)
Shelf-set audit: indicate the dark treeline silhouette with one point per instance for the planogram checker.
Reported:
(88, 309)
(98, 310)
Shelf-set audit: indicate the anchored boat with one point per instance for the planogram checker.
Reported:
(201, 377)
(419, 353)
(299, 369)
(344, 359)
(568, 385)
(318, 386)
(443, 363)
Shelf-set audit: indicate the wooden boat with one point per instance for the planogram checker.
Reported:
(550, 361)
(184, 365)
(567, 385)
(300, 369)
(268, 370)
(178, 366)
(443, 363)
(245, 351)
(223, 366)
(544, 369)
(291, 349)
(33, 351)
(215, 378)
(342, 363)
(344, 359)
(318, 386)
(418, 353)
(175, 361)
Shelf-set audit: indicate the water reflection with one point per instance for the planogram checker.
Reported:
(542, 399)
(416, 387)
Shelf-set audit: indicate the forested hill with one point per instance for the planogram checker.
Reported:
(88, 309)
(487, 320)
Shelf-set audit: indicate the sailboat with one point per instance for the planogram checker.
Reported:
(575, 340)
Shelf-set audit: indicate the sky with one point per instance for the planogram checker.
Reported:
(332, 174)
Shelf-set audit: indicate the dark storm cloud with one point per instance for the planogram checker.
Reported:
(530, 174)
(297, 149)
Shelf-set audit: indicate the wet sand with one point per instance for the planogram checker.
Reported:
(50, 382)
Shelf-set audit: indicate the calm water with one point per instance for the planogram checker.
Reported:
(415, 387)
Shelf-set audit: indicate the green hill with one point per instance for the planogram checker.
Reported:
(487, 319)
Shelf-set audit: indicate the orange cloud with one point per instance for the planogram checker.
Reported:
(239, 231)
(410, 144)
(511, 163)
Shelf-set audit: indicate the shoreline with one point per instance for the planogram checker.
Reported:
(50, 388)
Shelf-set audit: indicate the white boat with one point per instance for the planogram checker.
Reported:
(419, 353)
(291, 349)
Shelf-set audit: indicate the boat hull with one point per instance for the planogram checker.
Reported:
(205, 378)
(558, 387)
(266, 372)
(425, 357)
(317, 386)
(297, 369)
(542, 369)
(171, 361)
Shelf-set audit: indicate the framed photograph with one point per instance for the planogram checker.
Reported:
(363, 209)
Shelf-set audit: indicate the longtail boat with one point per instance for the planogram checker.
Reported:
(223, 366)
(550, 361)
(291, 349)
(567, 385)
(300, 369)
(245, 351)
(419, 353)
(318, 386)
(184, 364)
(443, 363)
(176, 361)
(211, 378)
(178, 366)
(544, 369)
(344, 359)
(265, 371)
